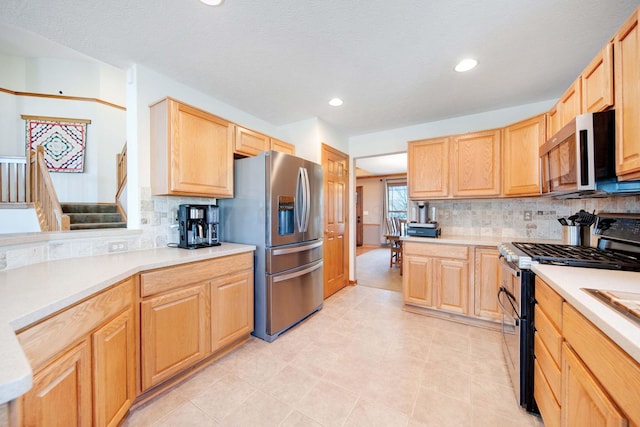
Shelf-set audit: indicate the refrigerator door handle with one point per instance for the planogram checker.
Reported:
(297, 249)
(307, 200)
(299, 200)
(283, 277)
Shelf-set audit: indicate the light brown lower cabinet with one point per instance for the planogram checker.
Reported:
(436, 276)
(585, 403)
(84, 365)
(61, 392)
(85, 358)
(175, 332)
(458, 279)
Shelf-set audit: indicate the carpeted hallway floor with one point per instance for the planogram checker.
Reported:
(372, 269)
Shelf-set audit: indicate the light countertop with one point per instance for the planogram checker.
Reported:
(569, 281)
(472, 240)
(29, 294)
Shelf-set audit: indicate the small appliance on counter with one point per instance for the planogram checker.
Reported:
(423, 227)
(198, 226)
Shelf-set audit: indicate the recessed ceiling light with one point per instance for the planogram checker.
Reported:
(212, 2)
(466, 65)
(336, 102)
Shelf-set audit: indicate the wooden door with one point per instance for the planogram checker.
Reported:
(61, 392)
(475, 163)
(359, 219)
(627, 98)
(571, 102)
(175, 332)
(231, 308)
(249, 142)
(336, 214)
(521, 157)
(114, 370)
(283, 147)
(428, 168)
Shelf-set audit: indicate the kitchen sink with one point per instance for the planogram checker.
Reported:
(627, 303)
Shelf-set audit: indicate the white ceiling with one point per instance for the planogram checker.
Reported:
(391, 61)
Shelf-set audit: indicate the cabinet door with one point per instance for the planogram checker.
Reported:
(452, 285)
(250, 143)
(627, 98)
(597, 82)
(428, 168)
(584, 402)
(231, 308)
(571, 102)
(114, 370)
(175, 332)
(475, 163)
(417, 281)
(191, 151)
(61, 392)
(487, 282)
(283, 147)
(521, 157)
(554, 121)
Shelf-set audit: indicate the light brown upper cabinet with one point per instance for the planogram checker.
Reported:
(249, 142)
(568, 106)
(597, 82)
(283, 147)
(627, 99)
(521, 158)
(191, 151)
(428, 168)
(475, 164)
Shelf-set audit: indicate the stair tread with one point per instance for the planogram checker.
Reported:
(97, 225)
(89, 207)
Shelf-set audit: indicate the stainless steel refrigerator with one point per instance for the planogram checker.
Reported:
(277, 207)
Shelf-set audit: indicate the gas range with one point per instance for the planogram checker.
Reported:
(618, 247)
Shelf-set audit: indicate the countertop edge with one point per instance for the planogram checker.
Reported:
(16, 375)
(609, 321)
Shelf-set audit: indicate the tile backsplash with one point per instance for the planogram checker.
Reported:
(483, 217)
(510, 217)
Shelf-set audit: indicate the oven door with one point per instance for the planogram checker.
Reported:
(509, 301)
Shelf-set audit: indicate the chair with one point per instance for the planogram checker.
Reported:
(395, 227)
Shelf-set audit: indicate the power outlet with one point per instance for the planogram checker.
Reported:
(117, 246)
(528, 215)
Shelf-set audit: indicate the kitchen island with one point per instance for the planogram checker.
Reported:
(33, 294)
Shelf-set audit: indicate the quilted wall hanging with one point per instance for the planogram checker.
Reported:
(64, 141)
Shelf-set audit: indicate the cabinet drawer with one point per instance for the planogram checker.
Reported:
(549, 335)
(548, 367)
(51, 337)
(549, 407)
(617, 372)
(436, 250)
(169, 278)
(550, 302)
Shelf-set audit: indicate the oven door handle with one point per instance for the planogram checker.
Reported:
(511, 298)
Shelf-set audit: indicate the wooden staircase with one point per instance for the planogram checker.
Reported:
(84, 216)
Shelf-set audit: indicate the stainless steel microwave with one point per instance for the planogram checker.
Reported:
(580, 155)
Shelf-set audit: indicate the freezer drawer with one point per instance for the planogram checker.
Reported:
(287, 257)
(293, 295)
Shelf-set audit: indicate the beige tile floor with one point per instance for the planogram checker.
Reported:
(360, 361)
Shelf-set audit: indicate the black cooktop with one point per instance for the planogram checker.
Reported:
(580, 256)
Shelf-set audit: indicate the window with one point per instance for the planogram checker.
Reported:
(397, 200)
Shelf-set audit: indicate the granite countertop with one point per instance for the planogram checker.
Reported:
(29, 294)
(569, 281)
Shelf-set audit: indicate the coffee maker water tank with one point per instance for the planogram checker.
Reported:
(422, 213)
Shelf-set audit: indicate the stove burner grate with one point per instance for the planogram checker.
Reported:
(580, 256)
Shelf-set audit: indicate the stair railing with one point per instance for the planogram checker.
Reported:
(14, 181)
(121, 167)
(44, 195)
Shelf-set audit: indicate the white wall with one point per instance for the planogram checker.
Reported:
(105, 135)
(395, 140)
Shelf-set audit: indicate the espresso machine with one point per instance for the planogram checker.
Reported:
(421, 225)
(198, 226)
